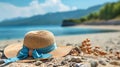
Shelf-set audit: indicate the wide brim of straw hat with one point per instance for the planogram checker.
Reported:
(13, 49)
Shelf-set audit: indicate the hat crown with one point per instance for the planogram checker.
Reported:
(38, 39)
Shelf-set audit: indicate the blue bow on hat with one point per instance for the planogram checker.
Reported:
(36, 53)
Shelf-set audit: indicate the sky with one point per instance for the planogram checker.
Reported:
(26, 8)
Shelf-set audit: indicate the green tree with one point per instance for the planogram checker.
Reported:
(107, 12)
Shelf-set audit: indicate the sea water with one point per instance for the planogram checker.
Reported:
(14, 32)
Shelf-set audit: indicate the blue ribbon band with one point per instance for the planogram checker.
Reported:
(36, 53)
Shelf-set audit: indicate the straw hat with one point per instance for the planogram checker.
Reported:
(36, 40)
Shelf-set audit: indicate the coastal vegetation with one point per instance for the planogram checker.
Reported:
(110, 11)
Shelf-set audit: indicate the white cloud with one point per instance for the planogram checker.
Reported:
(8, 11)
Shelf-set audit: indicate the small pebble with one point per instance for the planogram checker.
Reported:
(56, 65)
(64, 62)
(37, 63)
(43, 65)
(118, 43)
(49, 59)
(19, 41)
(76, 45)
(71, 64)
(50, 64)
(106, 48)
(83, 58)
(115, 63)
(80, 65)
(107, 60)
(93, 63)
(68, 44)
(102, 62)
(111, 50)
(1, 54)
(78, 49)
(68, 58)
(1, 50)
(76, 59)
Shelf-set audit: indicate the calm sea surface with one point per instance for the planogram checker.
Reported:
(19, 32)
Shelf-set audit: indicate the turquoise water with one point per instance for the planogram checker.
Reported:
(19, 32)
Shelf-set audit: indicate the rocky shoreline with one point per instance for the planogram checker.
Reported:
(109, 22)
(76, 58)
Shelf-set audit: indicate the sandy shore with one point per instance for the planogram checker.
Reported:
(97, 38)
(101, 39)
(104, 40)
(113, 27)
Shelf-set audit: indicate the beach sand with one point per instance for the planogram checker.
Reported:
(106, 41)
